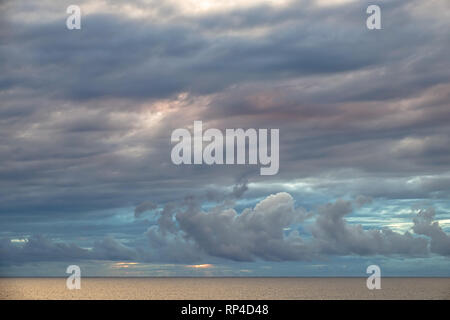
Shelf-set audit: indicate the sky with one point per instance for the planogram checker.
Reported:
(86, 117)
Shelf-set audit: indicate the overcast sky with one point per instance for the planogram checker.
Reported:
(86, 118)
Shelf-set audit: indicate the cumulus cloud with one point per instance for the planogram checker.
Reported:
(255, 233)
(334, 235)
(424, 224)
(267, 232)
(185, 232)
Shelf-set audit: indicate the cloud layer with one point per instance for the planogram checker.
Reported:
(86, 118)
(185, 232)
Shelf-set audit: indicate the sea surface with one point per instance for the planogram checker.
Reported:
(224, 288)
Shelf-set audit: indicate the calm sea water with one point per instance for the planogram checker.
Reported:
(224, 288)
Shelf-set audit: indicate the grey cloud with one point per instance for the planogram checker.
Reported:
(255, 233)
(345, 118)
(362, 200)
(41, 248)
(335, 236)
(159, 60)
(144, 207)
(187, 233)
(359, 112)
(259, 233)
(424, 224)
(171, 247)
(111, 249)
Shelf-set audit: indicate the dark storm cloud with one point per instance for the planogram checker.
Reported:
(115, 56)
(39, 248)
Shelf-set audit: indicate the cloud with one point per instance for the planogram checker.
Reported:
(334, 235)
(424, 224)
(187, 233)
(255, 233)
(39, 248)
(164, 59)
(144, 207)
(111, 249)
(268, 231)
(86, 117)
(94, 112)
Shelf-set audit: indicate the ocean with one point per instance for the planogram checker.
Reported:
(224, 288)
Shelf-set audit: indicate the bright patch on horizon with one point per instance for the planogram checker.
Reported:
(200, 266)
(203, 6)
(19, 240)
(120, 265)
(333, 2)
